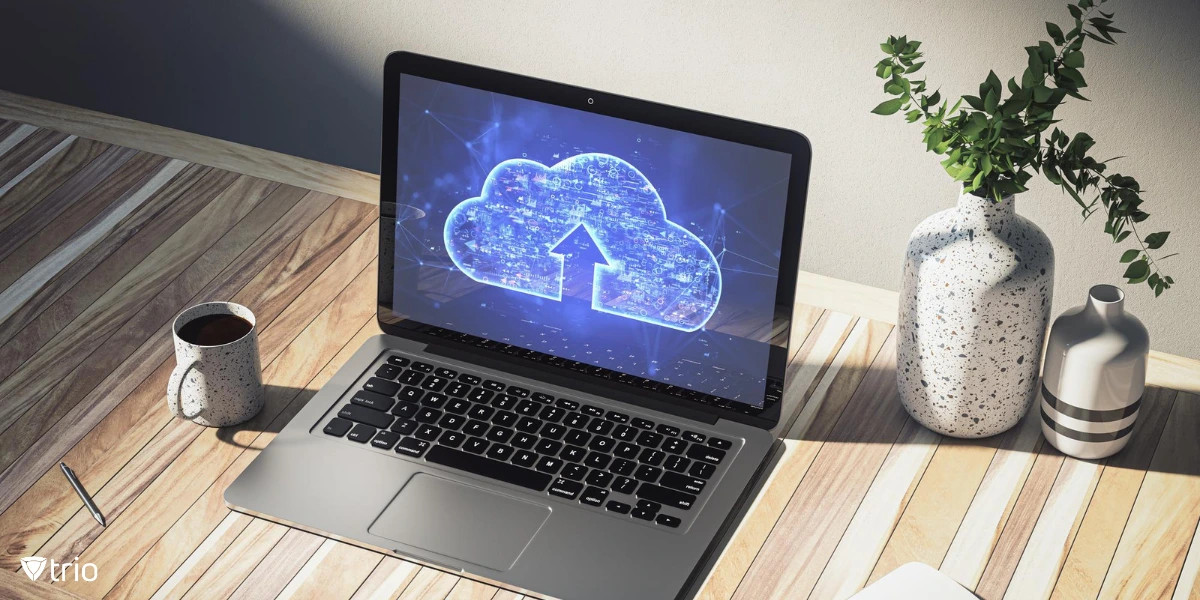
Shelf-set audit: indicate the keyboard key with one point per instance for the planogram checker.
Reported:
(593, 496)
(453, 439)
(667, 521)
(528, 408)
(411, 394)
(434, 383)
(362, 414)
(500, 434)
(564, 488)
(385, 440)
(524, 458)
(406, 410)
(702, 470)
(411, 446)
(427, 432)
(458, 407)
(422, 367)
(451, 421)
(625, 433)
(572, 454)
(388, 371)
(644, 515)
(618, 507)
(567, 404)
(553, 431)
(525, 441)
(649, 505)
(602, 444)
(666, 497)
(480, 395)
(475, 428)
(651, 456)
(469, 379)
(542, 397)
(481, 412)
(337, 427)
(434, 400)
(548, 447)
(457, 389)
(398, 361)
(552, 413)
(505, 419)
(549, 464)
(519, 392)
(667, 430)
(592, 411)
(599, 478)
(574, 472)
(600, 427)
(641, 423)
(621, 466)
(404, 426)
(444, 372)
(678, 464)
(500, 452)
(647, 473)
(674, 445)
(624, 485)
(411, 377)
(427, 415)
(626, 450)
(505, 402)
(649, 439)
(487, 467)
(706, 454)
(695, 438)
(597, 460)
(720, 444)
(493, 385)
(683, 483)
(577, 437)
(381, 386)
(475, 445)
(529, 425)
(373, 400)
(617, 417)
(576, 420)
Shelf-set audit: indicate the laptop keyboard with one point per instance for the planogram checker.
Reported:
(622, 464)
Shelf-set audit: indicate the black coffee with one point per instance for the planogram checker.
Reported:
(214, 330)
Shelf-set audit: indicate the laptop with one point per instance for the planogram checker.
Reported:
(586, 304)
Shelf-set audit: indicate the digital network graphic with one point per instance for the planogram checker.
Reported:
(516, 233)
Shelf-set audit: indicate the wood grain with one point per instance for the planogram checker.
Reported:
(23, 159)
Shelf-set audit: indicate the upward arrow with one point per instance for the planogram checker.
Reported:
(580, 254)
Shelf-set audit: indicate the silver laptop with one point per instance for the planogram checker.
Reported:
(586, 302)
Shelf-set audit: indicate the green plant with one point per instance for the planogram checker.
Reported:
(996, 143)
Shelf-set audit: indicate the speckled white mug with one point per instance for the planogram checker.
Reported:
(216, 386)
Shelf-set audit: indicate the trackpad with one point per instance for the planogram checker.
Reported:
(461, 521)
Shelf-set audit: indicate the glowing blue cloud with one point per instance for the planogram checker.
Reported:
(657, 271)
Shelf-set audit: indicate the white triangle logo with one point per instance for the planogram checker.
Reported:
(33, 566)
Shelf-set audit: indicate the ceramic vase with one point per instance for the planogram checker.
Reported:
(1094, 376)
(974, 306)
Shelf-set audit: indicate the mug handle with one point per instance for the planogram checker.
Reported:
(175, 388)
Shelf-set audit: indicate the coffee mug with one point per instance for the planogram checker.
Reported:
(217, 379)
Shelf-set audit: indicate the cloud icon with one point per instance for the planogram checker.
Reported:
(651, 269)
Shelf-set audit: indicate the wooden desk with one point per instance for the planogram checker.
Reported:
(102, 245)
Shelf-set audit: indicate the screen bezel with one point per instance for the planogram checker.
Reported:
(650, 113)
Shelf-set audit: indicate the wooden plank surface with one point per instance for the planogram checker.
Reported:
(103, 244)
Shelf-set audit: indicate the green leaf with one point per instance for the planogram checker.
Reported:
(886, 47)
(1074, 10)
(1137, 272)
(889, 107)
(974, 102)
(1121, 238)
(912, 116)
(1156, 240)
(991, 101)
(916, 67)
(1073, 60)
(1130, 255)
(1055, 33)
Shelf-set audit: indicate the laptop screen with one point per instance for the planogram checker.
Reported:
(613, 244)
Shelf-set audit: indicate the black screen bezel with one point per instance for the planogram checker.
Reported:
(650, 113)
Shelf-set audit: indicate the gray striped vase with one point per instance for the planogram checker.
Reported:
(1094, 376)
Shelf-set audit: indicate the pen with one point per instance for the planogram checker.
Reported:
(83, 495)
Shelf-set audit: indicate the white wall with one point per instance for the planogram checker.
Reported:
(805, 65)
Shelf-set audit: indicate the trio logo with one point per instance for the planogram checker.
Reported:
(34, 565)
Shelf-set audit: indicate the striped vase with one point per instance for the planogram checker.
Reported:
(1094, 376)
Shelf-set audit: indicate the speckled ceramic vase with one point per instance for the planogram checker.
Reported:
(216, 386)
(974, 305)
(1094, 376)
